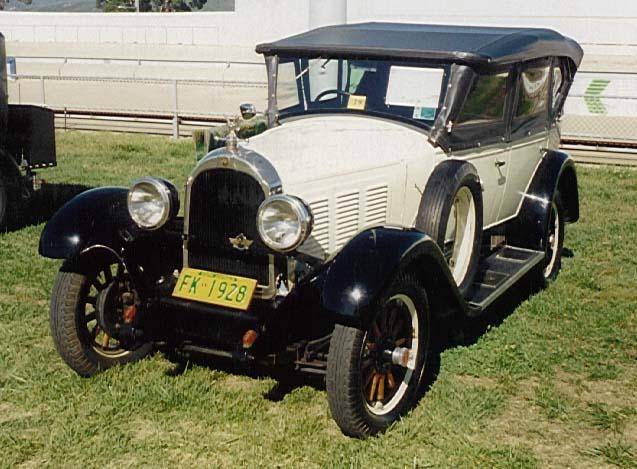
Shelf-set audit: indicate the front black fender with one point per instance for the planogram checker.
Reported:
(555, 172)
(95, 217)
(348, 287)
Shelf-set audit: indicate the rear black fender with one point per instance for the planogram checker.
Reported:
(349, 286)
(555, 172)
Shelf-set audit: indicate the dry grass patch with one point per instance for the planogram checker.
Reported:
(572, 422)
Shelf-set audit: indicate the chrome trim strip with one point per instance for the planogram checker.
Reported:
(252, 164)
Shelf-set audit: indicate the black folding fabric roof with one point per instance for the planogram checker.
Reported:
(472, 45)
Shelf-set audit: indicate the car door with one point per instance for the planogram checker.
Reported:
(480, 136)
(529, 132)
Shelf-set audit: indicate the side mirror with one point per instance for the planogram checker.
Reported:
(248, 111)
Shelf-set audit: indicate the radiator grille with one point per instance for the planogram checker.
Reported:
(223, 205)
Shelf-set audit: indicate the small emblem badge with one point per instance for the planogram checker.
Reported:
(241, 242)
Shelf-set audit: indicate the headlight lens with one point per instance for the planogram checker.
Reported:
(151, 202)
(284, 222)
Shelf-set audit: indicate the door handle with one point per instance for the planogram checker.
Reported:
(500, 163)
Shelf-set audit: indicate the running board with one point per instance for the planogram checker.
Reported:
(498, 272)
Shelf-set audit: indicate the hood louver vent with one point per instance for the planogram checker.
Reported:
(347, 208)
(376, 206)
(338, 218)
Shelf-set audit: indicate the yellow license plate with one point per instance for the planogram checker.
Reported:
(217, 289)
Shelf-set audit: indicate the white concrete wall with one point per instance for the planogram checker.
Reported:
(602, 27)
(91, 59)
(252, 21)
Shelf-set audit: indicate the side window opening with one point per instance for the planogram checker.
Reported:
(486, 101)
(533, 90)
(557, 87)
(287, 91)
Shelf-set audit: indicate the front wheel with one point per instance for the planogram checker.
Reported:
(373, 375)
(86, 307)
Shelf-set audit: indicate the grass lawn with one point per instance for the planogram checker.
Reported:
(550, 382)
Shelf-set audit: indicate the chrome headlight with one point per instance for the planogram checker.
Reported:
(284, 222)
(152, 202)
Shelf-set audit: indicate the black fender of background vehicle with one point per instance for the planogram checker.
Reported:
(98, 219)
(348, 287)
(556, 172)
(95, 217)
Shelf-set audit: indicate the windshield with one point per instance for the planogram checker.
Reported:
(407, 91)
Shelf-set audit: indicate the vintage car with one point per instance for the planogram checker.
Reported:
(27, 142)
(407, 177)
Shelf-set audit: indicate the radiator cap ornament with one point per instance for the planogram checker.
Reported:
(241, 242)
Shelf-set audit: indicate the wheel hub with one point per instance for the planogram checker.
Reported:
(115, 310)
(107, 309)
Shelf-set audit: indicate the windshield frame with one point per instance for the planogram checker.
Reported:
(301, 74)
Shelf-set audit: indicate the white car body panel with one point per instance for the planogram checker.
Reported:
(522, 162)
(379, 180)
(382, 175)
(492, 177)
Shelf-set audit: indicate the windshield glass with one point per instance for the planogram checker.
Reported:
(407, 91)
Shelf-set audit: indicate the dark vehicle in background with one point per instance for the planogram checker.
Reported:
(27, 143)
(406, 178)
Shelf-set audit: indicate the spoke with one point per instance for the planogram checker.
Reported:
(375, 329)
(392, 318)
(89, 317)
(97, 284)
(105, 341)
(95, 331)
(390, 380)
(380, 395)
(108, 275)
(400, 342)
(91, 300)
(372, 391)
(369, 379)
(366, 363)
(397, 327)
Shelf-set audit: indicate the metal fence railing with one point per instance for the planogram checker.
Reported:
(601, 108)
(137, 97)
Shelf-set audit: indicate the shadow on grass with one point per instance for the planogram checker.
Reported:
(44, 204)
(465, 334)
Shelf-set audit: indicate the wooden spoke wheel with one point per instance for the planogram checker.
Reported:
(88, 308)
(373, 375)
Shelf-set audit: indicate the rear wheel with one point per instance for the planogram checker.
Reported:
(554, 240)
(373, 375)
(86, 307)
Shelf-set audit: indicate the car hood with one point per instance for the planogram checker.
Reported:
(310, 149)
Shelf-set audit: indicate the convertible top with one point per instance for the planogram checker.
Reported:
(470, 45)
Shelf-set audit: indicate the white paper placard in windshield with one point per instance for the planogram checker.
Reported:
(414, 87)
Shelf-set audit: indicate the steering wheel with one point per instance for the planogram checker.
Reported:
(331, 91)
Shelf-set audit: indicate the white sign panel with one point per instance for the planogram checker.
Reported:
(414, 87)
